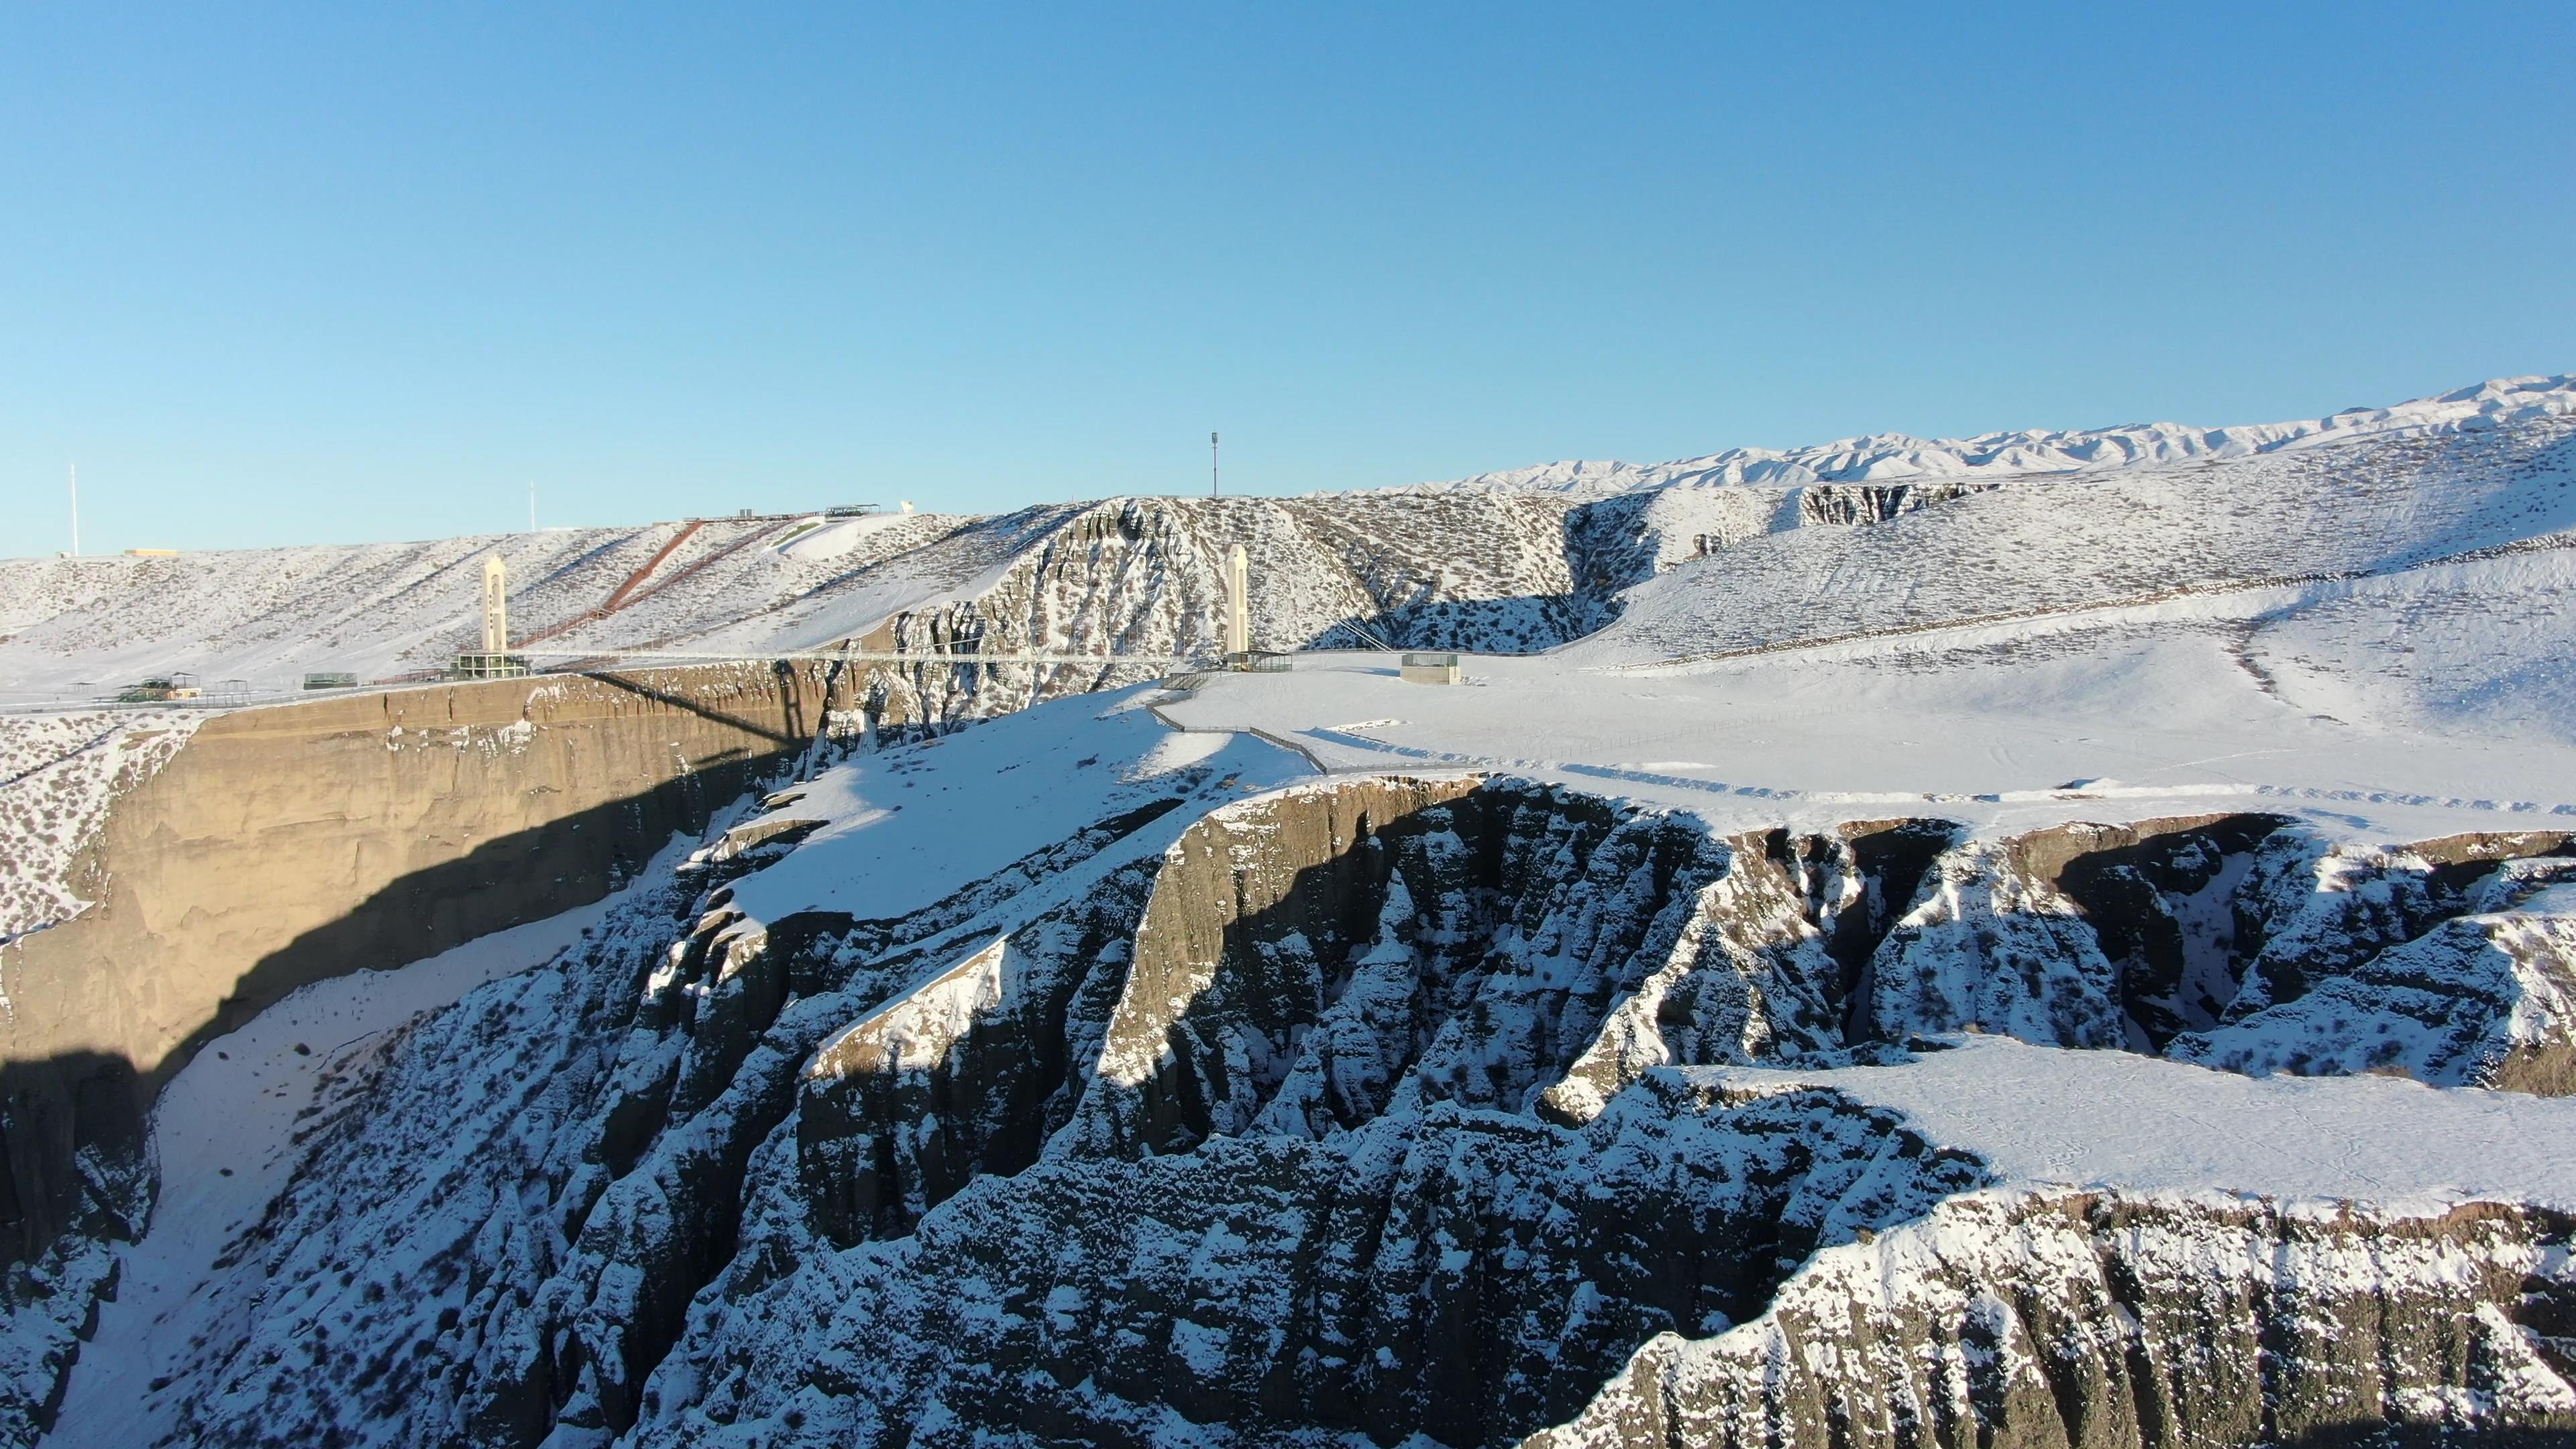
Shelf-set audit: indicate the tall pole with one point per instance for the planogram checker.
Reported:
(76, 510)
(1211, 465)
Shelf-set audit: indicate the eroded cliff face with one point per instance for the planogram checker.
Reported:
(281, 846)
(1492, 572)
(2242, 942)
(2073, 1320)
(1142, 576)
(59, 775)
(1341, 1115)
(1457, 1273)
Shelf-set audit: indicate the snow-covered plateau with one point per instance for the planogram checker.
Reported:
(2057, 939)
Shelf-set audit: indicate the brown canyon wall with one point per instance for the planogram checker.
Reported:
(287, 845)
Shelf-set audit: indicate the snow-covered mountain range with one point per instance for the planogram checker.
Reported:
(1509, 561)
(2064, 939)
(1897, 458)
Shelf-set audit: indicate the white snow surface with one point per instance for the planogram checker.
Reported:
(2373, 636)
(2049, 1117)
(1897, 457)
(2335, 521)
(2002, 727)
(907, 827)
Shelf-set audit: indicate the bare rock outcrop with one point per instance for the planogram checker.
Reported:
(1457, 1273)
(2485, 999)
(2241, 942)
(2099, 1321)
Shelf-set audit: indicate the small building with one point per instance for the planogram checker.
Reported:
(330, 679)
(1419, 668)
(484, 665)
(161, 688)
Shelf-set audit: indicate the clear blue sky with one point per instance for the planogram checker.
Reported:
(320, 273)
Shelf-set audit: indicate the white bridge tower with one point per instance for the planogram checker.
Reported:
(494, 660)
(496, 606)
(1238, 603)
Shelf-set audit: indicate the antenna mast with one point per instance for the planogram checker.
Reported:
(1211, 465)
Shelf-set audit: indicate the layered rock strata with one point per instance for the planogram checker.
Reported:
(282, 846)
(1341, 1115)
(2098, 1319)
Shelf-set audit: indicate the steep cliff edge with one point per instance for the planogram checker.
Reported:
(2067, 1319)
(1393, 1107)
(281, 846)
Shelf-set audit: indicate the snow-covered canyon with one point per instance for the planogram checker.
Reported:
(2052, 939)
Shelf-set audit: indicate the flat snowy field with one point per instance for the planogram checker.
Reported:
(909, 826)
(2044, 1117)
(2006, 733)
